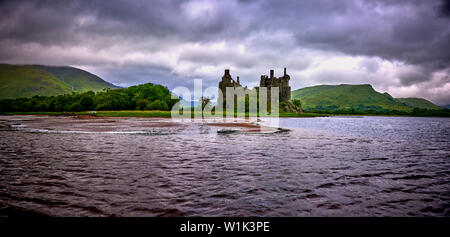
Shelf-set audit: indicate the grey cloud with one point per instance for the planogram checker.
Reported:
(414, 75)
(61, 22)
(122, 76)
(337, 77)
(370, 65)
(410, 31)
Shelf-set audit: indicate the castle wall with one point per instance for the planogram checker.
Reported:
(282, 83)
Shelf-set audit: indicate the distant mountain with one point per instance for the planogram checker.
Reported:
(29, 80)
(357, 97)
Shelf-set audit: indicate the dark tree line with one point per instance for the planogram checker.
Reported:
(141, 97)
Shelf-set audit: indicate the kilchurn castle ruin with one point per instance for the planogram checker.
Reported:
(266, 81)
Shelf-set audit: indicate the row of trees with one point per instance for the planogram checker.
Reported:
(143, 97)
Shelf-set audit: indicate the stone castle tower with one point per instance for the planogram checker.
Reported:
(282, 83)
(227, 81)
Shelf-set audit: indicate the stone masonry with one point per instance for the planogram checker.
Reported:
(282, 83)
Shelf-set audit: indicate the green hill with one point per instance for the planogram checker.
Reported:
(18, 81)
(418, 103)
(356, 97)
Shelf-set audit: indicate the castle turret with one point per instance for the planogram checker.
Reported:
(227, 81)
(271, 73)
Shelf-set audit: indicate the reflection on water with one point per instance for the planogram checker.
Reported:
(368, 166)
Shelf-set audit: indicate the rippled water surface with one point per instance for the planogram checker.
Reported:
(340, 166)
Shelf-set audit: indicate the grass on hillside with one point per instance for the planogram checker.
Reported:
(358, 97)
(26, 81)
(17, 81)
(417, 103)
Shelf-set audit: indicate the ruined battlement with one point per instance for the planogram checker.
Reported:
(282, 83)
(266, 81)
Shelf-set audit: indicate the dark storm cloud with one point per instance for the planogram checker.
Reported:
(410, 31)
(126, 36)
(68, 22)
(410, 77)
(445, 8)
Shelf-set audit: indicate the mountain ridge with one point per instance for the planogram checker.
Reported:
(359, 97)
(18, 81)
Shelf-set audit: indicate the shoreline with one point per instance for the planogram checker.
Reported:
(145, 113)
(167, 114)
(87, 123)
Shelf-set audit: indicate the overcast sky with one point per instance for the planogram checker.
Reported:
(401, 47)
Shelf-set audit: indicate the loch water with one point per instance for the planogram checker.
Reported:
(330, 166)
